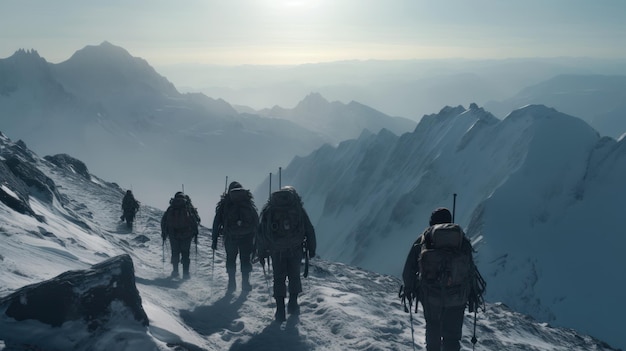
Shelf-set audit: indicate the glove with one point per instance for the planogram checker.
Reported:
(163, 236)
(214, 245)
(262, 261)
(408, 294)
(311, 254)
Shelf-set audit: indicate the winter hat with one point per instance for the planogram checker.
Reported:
(440, 215)
(179, 194)
(234, 185)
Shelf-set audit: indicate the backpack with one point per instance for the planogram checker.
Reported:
(180, 220)
(285, 216)
(446, 270)
(240, 217)
(129, 204)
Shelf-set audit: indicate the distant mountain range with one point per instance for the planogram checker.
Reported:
(600, 100)
(414, 88)
(337, 120)
(131, 124)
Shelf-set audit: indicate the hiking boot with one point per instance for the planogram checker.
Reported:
(186, 275)
(292, 306)
(232, 284)
(280, 310)
(245, 283)
(174, 273)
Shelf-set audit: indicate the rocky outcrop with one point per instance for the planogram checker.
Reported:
(86, 295)
(69, 163)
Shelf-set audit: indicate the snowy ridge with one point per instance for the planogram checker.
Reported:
(536, 187)
(343, 307)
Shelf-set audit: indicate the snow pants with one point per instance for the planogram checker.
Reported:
(286, 265)
(180, 252)
(444, 327)
(242, 247)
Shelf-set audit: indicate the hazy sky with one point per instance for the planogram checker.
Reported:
(302, 31)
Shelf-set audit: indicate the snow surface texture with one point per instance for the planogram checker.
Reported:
(342, 307)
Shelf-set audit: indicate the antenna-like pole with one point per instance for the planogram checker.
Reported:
(270, 183)
(280, 177)
(453, 206)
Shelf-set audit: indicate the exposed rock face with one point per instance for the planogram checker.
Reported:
(13, 191)
(79, 295)
(39, 184)
(20, 178)
(68, 162)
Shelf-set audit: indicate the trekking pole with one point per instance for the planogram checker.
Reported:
(412, 329)
(163, 260)
(305, 252)
(212, 267)
(270, 193)
(280, 177)
(267, 283)
(474, 340)
(306, 260)
(403, 298)
(453, 206)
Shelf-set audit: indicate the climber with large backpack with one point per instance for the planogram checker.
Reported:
(130, 206)
(180, 224)
(286, 235)
(440, 272)
(237, 221)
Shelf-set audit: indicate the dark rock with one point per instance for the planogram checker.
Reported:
(79, 295)
(141, 239)
(69, 163)
(41, 185)
(15, 195)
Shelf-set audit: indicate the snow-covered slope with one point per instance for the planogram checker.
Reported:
(539, 192)
(74, 224)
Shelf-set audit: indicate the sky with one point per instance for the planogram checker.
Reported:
(342, 307)
(238, 32)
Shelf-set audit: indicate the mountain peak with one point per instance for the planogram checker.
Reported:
(535, 109)
(27, 58)
(313, 100)
(22, 53)
(103, 52)
(96, 70)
